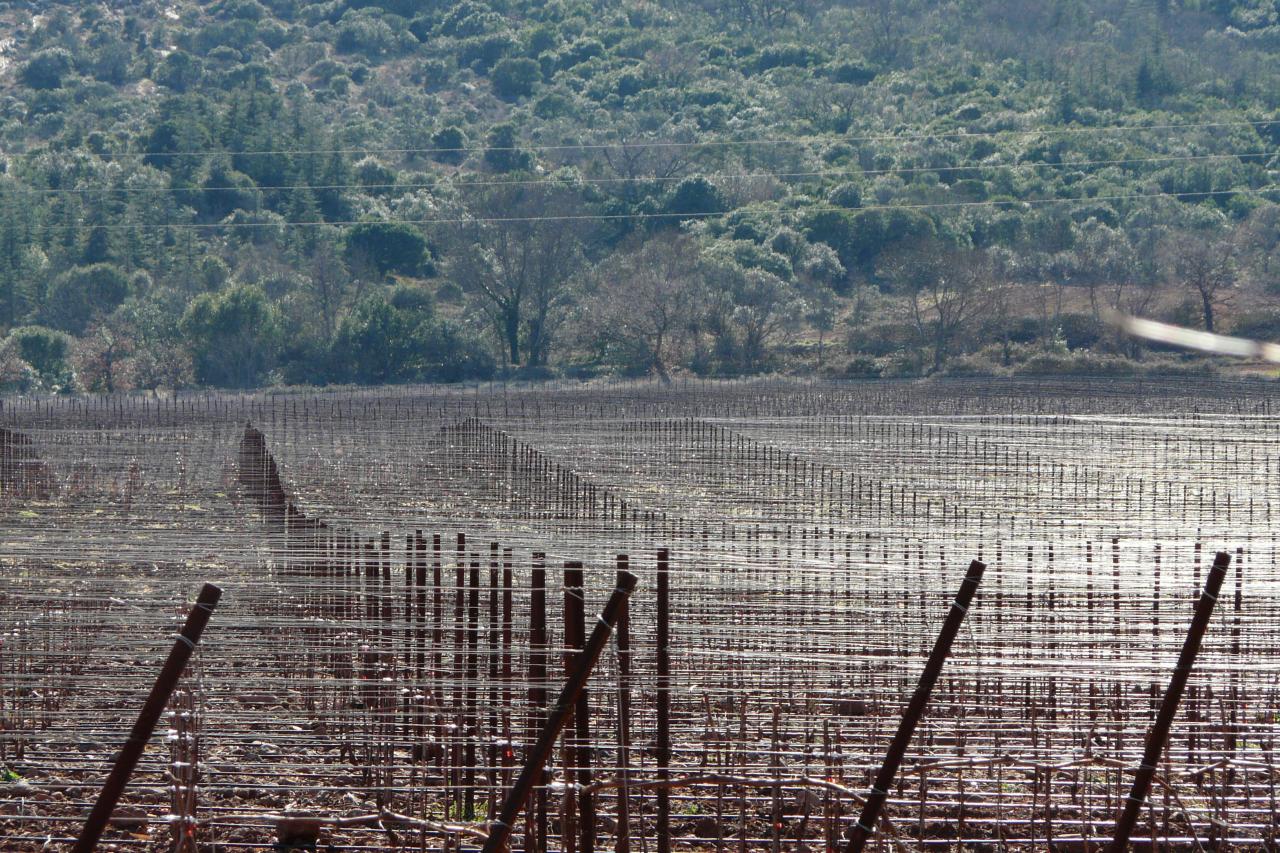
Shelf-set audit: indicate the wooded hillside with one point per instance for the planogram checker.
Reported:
(241, 193)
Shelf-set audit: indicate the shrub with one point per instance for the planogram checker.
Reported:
(449, 143)
(83, 293)
(234, 337)
(516, 77)
(787, 55)
(389, 246)
(46, 69)
(695, 196)
(46, 351)
(847, 195)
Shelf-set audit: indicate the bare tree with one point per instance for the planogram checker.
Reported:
(329, 283)
(1206, 265)
(1259, 240)
(518, 254)
(946, 289)
(645, 299)
(884, 29)
(750, 312)
(1108, 265)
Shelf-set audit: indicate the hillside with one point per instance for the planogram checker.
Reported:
(243, 193)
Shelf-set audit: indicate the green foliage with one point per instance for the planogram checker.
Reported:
(847, 195)
(235, 337)
(47, 68)
(516, 77)
(796, 148)
(47, 352)
(388, 246)
(82, 294)
(694, 197)
(400, 340)
(502, 153)
(788, 55)
(180, 71)
(449, 144)
(372, 35)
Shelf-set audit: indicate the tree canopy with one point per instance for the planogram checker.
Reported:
(246, 192)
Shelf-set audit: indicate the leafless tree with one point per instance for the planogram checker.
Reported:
(946, 289)
(1204, 264)
(518, 254)
(750, 312)
(644, 301)
(1107, 264)
(329, 283)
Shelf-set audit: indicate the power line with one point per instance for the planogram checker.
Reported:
(712, 176)
(714, 143)
(603, 217)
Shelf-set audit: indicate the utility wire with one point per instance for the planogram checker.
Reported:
(603, 217)
(714, 143)
(711, 176)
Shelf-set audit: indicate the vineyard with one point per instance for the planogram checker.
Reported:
(410, 576)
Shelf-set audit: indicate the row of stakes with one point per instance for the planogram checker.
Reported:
(532, 773)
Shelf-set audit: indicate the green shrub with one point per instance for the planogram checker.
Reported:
(46, 350)
(46, 69)
(515, 77)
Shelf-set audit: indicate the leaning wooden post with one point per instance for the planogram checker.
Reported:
(184, 644)
(863, 829)
(1169, 705)
(532, 771)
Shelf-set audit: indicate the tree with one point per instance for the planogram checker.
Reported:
(83, 294)
(103, 359)
(1109, 266)
(695, 196)
(180, 71)
(946, 288)
(749, 312)
(159, 355)
(518, 255)
(449, 145)
(1205, 264)
(820, 312)
(376, 343)
(328, 282)
(502, 153)
(644, 301)
(390, 246)
(234, 336)
(46, 351)
(516, 77)
(47, 68)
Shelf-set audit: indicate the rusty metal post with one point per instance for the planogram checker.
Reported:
(865, 827)
(531, 773)
(1169, 705)
(127, 760)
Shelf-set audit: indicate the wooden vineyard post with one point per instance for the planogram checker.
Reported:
(863, 829)
(127, 760)
(532, 771)
(623, 637)
(575, 642)
(538, 692)
(1169, 705)
(664, 700)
